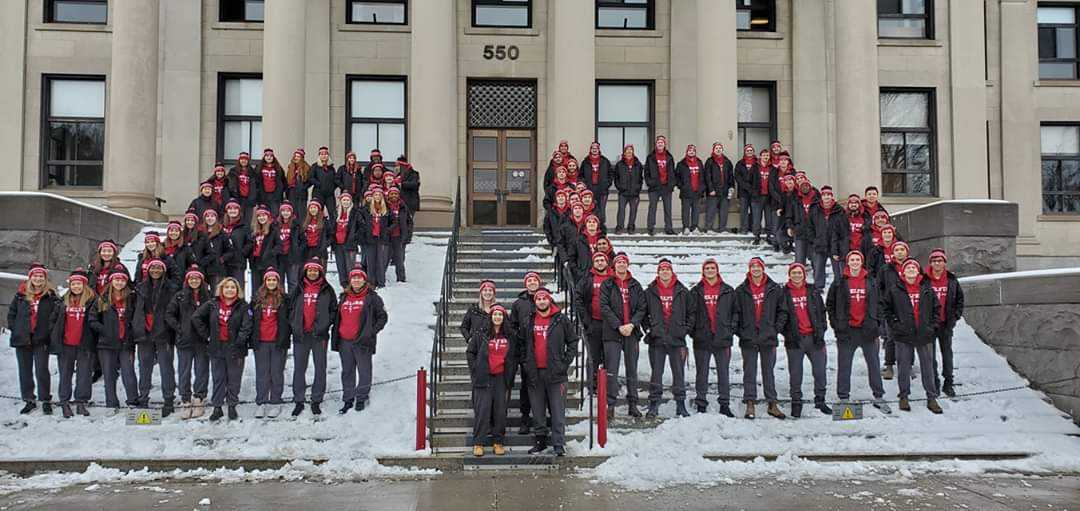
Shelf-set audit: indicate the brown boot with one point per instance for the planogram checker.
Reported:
(933, 405)
(498, 449)
(905, 405)
(774, 410)
(478, 450)
(888, 373)
(749, 410)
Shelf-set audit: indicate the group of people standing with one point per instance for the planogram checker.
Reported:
(183, 308)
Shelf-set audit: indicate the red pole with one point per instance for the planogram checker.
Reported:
(601, 422)
(421, 409)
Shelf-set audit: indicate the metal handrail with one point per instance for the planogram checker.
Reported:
(442, 311)
(568, 306)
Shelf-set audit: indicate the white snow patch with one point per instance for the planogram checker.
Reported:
(952, 201)
(1052, 272)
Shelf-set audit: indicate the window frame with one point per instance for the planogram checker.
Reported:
(221, 12)
(49, 13)
(773, 115)
(927, 16)
(361, 156)
(1058, 157)
(650, 125)
(649, 7)
(931, 130)
(222, 118)
(771, 27)
(528, 7)
(47, 118)
(1075, 25)
(349, 12)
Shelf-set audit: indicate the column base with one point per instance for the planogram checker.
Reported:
(436, 211)
(138, 205)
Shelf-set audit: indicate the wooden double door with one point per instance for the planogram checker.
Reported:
(502, 177)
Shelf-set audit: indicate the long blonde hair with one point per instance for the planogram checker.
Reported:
(81, 299)
(378, 209)
(46, 289)
(107, 297)
(226, 280)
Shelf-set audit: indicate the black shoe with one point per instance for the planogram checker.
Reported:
(633, 411)
(46, 408)
(298, 409)
(757, 240)
(66, 410)
(725, 410)
(167, 409)
(631, 230)
(525, 429)
(652, 232)
(669, 232)
(680, 409)
(345, 409)
(232, 413)
(948, 390)
(796, 410)
(539, 447)
(618, 230)
(360, 405)
(80, 409)
(701, 408)
(315, 409)
(97, 375)
(560, 451)
(824, 408)
(734, 231)
(217, 415)
(653, 412)
(611, 412)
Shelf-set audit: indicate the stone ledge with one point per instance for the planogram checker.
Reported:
(958, 218)
(1038, 289)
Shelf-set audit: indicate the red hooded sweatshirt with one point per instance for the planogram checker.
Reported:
(74, 316)
(913, 291)
(541, 322)
(802, 312)
(667, 296)
(498, 347)
(598, 279)
(757, 291)
(941, 290)
(225, 310)
(856, 297)
(712, 296)
(351, 309)
(268, 319)
(311, 299)
(624, 290)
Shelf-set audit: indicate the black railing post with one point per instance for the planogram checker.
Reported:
(442, 310)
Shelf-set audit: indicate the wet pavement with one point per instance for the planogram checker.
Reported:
(553, 491)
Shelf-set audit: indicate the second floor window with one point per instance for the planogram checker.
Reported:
(1057, 42)
(624, 14)
(241, 10)
(240, 117)
(905, 19)
(77, 11)
(378, 12)
(907, 142)
(1060, 168)
(502, 13)
(755, 15)
(73, 131)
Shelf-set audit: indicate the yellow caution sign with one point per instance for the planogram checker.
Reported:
(847, 415)
(847, 411)
(144, 417)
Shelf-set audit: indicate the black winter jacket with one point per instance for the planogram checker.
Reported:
(352, 182)
(205, 321)
(294, 254)
(284, 330)
(477, 356)
(838, 305)
(280, 187)
(352, 229)
(754, 334)
(153, 300)
(603, 178)
(815, 306)
(410, 188)
(898, 312)
(652, 173)
(233, 178)
(365, 219)
(719, 178)
(628, 178)
(233, 254)
(682, 173)
(841, 235)
(324, 181)
(373, 320)
(673, 332)
(106, 325)
(18, 319)
(178, 316)
(475, 319)
(583, 296)
(954, 300)
(743, 174)
(562, 342)
(88, 341)
(519, 313)
(267, 255)
(611, 308)
(325, 313)
(212, 254)
(726, 318)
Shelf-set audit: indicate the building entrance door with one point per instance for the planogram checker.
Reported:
(501, 177)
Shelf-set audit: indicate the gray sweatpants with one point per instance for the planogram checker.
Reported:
(193, 359)
(120, 363)
(614, 351)
(78, 363)
(151, 353)
(818, 359)
(33, 364)
(750, 357)
(269, 373)
(944, 343)
(675, 356)
(905, 356)
(845, 354)
(548, 399)
(890, 345)
(716, 205)
(489, 411)
(355, 371)
(301, 351)
(691, 211)
(594, 345)
(625, 203)
(228, 372)
(397, 257)
(702, 358)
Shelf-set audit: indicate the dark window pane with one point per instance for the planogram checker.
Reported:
(517, 180)
(485, 212)
(518, 149)
(1071, 203)
(918, 184)
(79, 11)
(1070, 176)
(1049, 176)
(888, 7)
(1047, 43)
(918, 151)
(485, 180)
(892, 183)
(754, 14)
(485, 149)
(1050, 203)
(518, 212)
(892, 151)
(84, 141)
(74, 175)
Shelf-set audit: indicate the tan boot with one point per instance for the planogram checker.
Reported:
(498, 449)
(905, 405)
(197, 408)
(888, 373)
(749, 410)
(478, 450)
(933, 405)
(185, 410)
(774, 410)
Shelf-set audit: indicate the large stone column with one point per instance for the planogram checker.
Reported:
(809, 85)
(1020, 126)
(433, 102)
(284, 53)
(317, 80)
(717, 77)
(683, 117)
(131, 118)
(967, 83)
(571, 73)
(12, 92)
(857, 126)
(181, 89)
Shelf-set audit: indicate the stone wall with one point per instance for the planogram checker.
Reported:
(979, 236)
(1033, 320)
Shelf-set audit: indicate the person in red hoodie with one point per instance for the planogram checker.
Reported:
(270, 341)
(111, 323)
(344, 237)
(623, 309)
(762, 316)
(910, 306)
(487, 355)
(667, 302)
(712, 323)
(312, 310)
(804, 337)
(102, 264)
(950, 298)
(550, 344)
(852, 307)
(870, 200)
(587, 306)
(226, 324)
(71, 332)
(30, 318)
(597, 175)
(660, 178)
(360, 317)
(690, 175)
(242, 184)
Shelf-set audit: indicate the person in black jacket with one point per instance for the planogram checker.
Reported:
(410, 186)
(719, 181)
(554, 216)
(853, 310)
(343, 238)
(360, 317)
(313, 237)
(30, 318)
(743, 174)
(783, 197)
(660, 177)
(177, 251)
(478, 316)
(111, 322)
(311, 316)
(816, 229)
(851, 230)
(243, 184)
(799, 220)
(624, 310)
(590, 234)
(190, 348)
(691, 180)
(72, 336)
(350, 176)
(151, 334)
(376, 222)
(261, 245)
(711, 320)
(804, 337)
(550, 346)
(596, 174)
(587, 308)
(911, 309)
(628, 178)
(761, 316)
(666, 300)
(226, 324)
(272, 184)
(152, 249)
(289, 232)
(270, 341)
(324, 182)
(204, 201)
(761, 210)
(400, 233)
(236, 233)
(488, 356)
(950, 298)
(520, 312)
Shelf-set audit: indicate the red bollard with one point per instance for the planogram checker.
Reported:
(601, 423)
(421, 409)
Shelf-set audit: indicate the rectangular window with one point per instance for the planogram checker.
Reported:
(1057, 42)
(908, 140)
(73, 131)
(239, 116)
(624, 115)
(376, 116)
(757, 114)
(502, 13)
(378, 12)
(636, 14)
(77, 11)
(905, 19)
(755, 15)
(241, 10)
(1061, 168)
